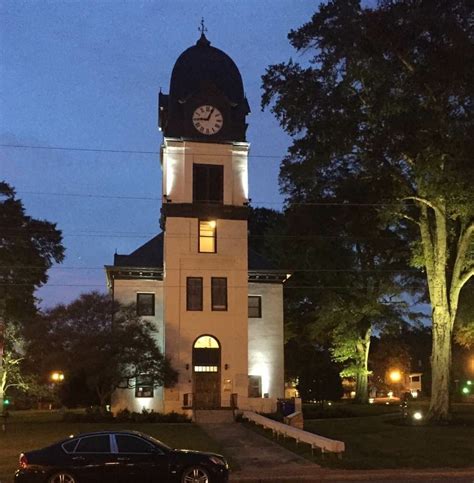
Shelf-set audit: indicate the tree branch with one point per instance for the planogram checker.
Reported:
(459, 278)
(426, 202)
(409, 218)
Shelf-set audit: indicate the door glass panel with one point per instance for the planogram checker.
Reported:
(94, 444)
(130, 444)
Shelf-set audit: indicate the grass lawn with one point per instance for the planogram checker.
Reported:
(27, 430)
(376, 442)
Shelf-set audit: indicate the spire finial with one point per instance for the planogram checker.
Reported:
(203, 42)
(202, 28)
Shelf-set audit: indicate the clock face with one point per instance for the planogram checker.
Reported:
(208, 120)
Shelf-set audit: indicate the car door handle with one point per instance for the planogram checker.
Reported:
(123, 459)
(78, 458)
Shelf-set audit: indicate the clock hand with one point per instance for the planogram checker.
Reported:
(210, 114)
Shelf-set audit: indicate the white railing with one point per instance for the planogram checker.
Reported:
(314, 440)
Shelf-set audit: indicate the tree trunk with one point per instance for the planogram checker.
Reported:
(441, 368)
(362, 389)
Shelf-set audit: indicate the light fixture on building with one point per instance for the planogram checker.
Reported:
(226, 366)
(187, 367)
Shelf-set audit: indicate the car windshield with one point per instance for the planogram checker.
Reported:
(155, 441)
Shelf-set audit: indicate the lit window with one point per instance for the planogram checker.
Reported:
(145, 304)
(144, 386)
(219, 293)
(194, 293)
(207, 236)
(255, 386)
(255, 306)
(205, 369)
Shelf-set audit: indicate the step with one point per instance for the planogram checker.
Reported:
(213, 416)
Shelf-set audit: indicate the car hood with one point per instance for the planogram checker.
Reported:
(195, 452)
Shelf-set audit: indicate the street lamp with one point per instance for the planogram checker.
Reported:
(395, 376)
(57, 376)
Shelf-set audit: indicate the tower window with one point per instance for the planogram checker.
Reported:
(145, 304)
(208, 183)
(255, 306)
(194, 293)
(207, 236)
(219, 293)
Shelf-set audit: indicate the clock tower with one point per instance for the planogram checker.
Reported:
(204, 220)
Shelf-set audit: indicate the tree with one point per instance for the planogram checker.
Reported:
(28, 248)
(351, 273)
(101, 340)
(388, 94)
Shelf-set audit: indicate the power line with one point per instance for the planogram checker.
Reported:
(159, 198)
(284, 269)
(119, 151)
(182, 237)
(299, 287)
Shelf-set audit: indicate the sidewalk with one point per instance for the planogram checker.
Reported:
(264, 461)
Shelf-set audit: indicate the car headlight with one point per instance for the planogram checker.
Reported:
(218, 461)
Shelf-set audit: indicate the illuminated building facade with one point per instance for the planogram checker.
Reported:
(217, 305)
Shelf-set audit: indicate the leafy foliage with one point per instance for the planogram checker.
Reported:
(28, 248)
(384, 95)
(105, 342)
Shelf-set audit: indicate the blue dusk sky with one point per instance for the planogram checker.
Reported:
(84, 75)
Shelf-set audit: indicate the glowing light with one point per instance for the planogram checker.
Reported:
(57, 376)
(390, 394)
(371, 400)
(261, 367)
(465, 390)
(353, 394)
(469, 383)
(417, 416)
(206, 342)
(329, 403)
(212, 223)
(414, 394)
(395, 376)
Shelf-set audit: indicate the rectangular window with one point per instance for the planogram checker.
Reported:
(255, 386)
(145, 304)
(207, 236)
(219, 293)
(208, 183)
(194, 293)
(255, 306)
(144, 386)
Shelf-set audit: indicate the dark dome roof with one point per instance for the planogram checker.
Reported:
(202, 64)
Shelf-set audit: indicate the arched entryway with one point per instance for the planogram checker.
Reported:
(206, 372)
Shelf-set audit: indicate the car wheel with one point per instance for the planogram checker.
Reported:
(195, 474)
(62, 477)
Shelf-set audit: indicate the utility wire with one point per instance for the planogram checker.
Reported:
(121, 151)
(285, 269)
(156, 198)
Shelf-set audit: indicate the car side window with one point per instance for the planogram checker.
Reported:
(132, 444)
(94, 444)
(70, 445)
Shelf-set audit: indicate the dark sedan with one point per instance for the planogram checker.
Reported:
(119, 457)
